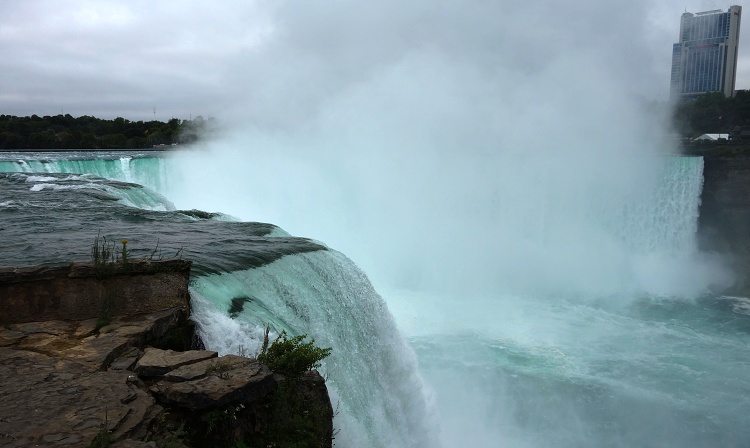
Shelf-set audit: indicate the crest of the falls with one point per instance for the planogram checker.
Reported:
(372, 371)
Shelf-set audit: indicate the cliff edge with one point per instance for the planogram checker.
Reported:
(131, 380)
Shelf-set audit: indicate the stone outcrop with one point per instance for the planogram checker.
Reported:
(224, 400)
(155, 362)
(131, 380)
(82, 291)
(232, 379)
(62, 383)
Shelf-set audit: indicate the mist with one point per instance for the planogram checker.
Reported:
(454, 146)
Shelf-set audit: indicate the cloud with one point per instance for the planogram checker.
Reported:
(118, 58)
(125, 58)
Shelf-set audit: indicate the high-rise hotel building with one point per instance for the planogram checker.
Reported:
(705, 58)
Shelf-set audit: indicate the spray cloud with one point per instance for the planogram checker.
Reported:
(451, 144)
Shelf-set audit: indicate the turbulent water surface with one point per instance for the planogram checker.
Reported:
(580, 339)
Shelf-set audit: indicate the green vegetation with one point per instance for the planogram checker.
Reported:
(104, 258)
(220, 368)
(168, 432)
(712, 114)
(221, 419)
(294, 420)
(291, 357)
(103, 438)
(105, 263)
(287, 417)
(124, 252)
(67, 132)
(104, 318)
(101, 254)
(291, 415)
(107, 259)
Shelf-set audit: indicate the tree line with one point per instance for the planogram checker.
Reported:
(712, 113)
(86, 132)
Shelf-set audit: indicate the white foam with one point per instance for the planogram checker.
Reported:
(740, 305)
(58, 187)
(40, 179)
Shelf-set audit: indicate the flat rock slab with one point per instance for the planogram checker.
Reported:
(77, 341)
(47, 401)
(233, 380)
(215, 366)
(157, 362)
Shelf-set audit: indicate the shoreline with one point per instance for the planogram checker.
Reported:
(164, 148)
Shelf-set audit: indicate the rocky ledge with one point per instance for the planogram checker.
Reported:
(76, 383)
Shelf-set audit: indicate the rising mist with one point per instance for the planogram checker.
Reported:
(458, 146)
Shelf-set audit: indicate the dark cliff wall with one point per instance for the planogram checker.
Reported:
(79, 291)
(724, 222)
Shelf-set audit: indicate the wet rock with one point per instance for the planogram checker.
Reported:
(216, 366)
(127, 360)
(156, 362)
(52, 401)
(236, 379)
(96, 351)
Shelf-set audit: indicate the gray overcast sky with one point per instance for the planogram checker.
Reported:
(283, 58)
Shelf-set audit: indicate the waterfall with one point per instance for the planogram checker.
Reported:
(148, 171)
(512, 283)
(372, 371)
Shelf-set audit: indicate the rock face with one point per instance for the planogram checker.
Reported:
(59, 385)
(66, 383)
(724, 222)
(70, 378)
(233, 399)
(725, 201)
(232, 379)
(81, 291)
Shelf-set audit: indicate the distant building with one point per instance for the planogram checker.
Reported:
(705, 58)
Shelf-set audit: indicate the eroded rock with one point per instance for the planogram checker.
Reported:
(231, 379)
(48, 400)
(156, 362)
(66, 381)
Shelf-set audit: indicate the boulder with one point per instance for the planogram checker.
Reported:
(230, 379)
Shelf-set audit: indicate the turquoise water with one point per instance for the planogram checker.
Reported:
(555, 317)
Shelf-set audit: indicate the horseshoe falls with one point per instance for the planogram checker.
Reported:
(492, 301)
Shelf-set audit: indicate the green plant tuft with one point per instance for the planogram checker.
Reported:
(168, 433)
(291, 357)
(103, 438)
(102, 255)
(221, 368)
(124, 251)
(103, 320)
